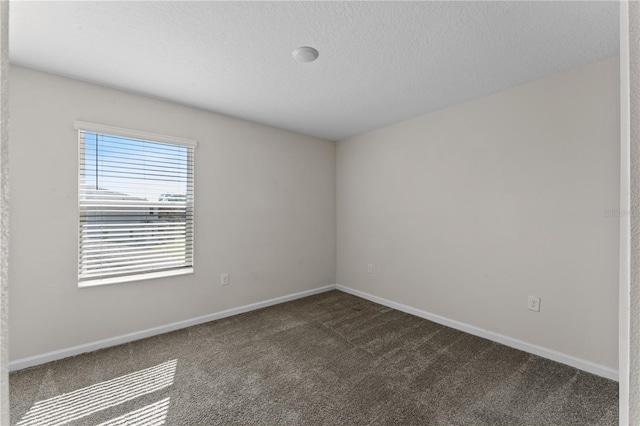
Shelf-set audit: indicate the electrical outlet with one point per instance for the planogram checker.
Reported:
(370, 268)
(224, 279)
(533, 303)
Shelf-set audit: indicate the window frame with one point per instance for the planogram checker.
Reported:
(84, 126)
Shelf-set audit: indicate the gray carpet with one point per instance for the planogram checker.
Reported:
(331, 359)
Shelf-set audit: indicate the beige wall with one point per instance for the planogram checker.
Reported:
(4, 212)
(463, 213)
(630, 224)
(466, 211)
(265, 214)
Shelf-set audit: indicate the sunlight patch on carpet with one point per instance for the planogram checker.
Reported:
(151, 415)
(74, 405)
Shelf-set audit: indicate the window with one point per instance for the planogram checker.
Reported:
(135, 205)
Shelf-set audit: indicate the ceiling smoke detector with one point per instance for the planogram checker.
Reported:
(305, 54)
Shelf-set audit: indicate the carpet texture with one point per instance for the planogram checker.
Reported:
(332, 359)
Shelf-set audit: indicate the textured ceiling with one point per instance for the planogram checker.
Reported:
(380, 62)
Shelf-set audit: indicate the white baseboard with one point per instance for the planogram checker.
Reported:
(32, 361)
(581, 364)
(572, 361)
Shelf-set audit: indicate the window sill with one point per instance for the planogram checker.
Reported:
(137, 277)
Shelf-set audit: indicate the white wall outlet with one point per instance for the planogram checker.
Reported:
(533, 303)
(370, 268)
(224, 279)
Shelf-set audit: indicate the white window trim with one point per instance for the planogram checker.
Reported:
(135, 134)
(154, 137)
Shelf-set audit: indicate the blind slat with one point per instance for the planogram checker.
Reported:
(118, 246)
(113, 257)
(124, 228)
(126, 260)
(86, 254)
(141, 268)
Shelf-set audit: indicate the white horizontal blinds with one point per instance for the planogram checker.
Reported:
(135, 206)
